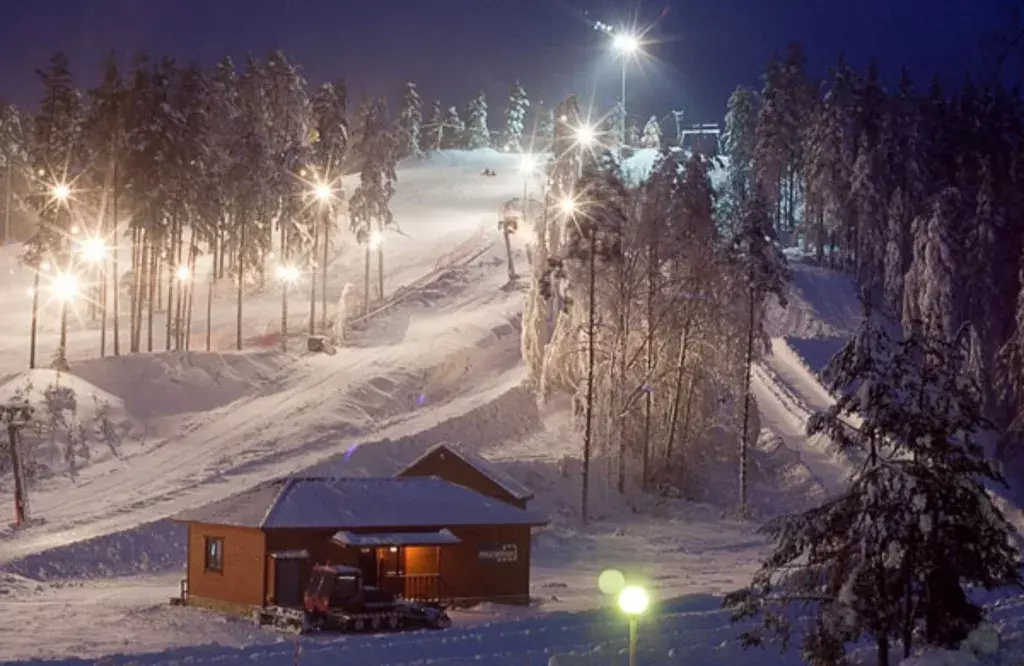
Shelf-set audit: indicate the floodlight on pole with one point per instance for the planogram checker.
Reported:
(93, 250)
(527, 165)
(626, 43)
(323, 191)
(376, 239)
(182, 273)
(288, 274)
(65, 286)
(586, 136)
(568, 205)
(633, 602)
(60, 192)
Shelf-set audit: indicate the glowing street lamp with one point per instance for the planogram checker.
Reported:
(568, 205)
(376, 239)
(634, 602)
(183, 274)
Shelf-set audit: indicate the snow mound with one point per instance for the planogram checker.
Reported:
(171, 383)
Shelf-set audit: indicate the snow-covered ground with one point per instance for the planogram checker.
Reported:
(92, 580)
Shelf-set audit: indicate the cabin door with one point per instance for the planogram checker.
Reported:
(288, 581)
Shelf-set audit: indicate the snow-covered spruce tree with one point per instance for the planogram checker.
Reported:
(432, 136)
(476, 133)
(409, 119)
(515, 119)
(454, 129)
(633, 134)
(371, 201)
(890, 558)
(652, 134)
(330, 152)
(739, 140)
(761, 272)
(545, 123)
(933, 297)
(616, 124)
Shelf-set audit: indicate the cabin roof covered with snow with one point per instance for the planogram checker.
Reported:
(480, 464)
(352, 503)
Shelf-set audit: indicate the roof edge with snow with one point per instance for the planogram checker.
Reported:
(480, 464)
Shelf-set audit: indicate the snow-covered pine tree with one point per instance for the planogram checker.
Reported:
(616, 124)
(433, 132)
(891, 557)
(739, 141)
(760, 272)
(652, 134)
(933, 296)
(545, 123)
(409, 119)
(515, 119)
(476, 133)
(454, 129)
(370, 204)
(633, 134)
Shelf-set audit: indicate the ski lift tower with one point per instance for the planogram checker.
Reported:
(701, 138)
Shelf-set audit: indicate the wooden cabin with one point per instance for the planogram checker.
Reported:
(469, 470)
(418, 536)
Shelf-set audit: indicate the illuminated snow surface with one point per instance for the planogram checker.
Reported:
(91, 580)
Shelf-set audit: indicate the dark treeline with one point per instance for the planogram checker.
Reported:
(915, 191)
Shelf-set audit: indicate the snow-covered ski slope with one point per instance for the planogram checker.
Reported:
(443, 365)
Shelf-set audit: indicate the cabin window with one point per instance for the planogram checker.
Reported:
(214, 554)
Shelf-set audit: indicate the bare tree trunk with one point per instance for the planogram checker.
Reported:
(240, 270)
(284, 290)
(209, 308)
(151, 284)
(115, 237)
(104, 278)
(684, 341)
(182, 285)
(591, 307)
(328, 221)
(172, 279)
(380, 271)
(746, 405)
(312, 276)
(652, 258)
(21, 514)
(366, 283)
(193, 251)
(35, 320)
(508, 253)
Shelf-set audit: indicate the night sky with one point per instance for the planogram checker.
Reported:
(453, 47)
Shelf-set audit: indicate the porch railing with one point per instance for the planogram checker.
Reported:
(419, 587)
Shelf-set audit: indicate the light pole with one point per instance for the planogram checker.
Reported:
(633, 601)
(626, 44)
(288, 275)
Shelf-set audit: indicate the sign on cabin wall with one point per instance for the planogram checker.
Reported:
(502, 553)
